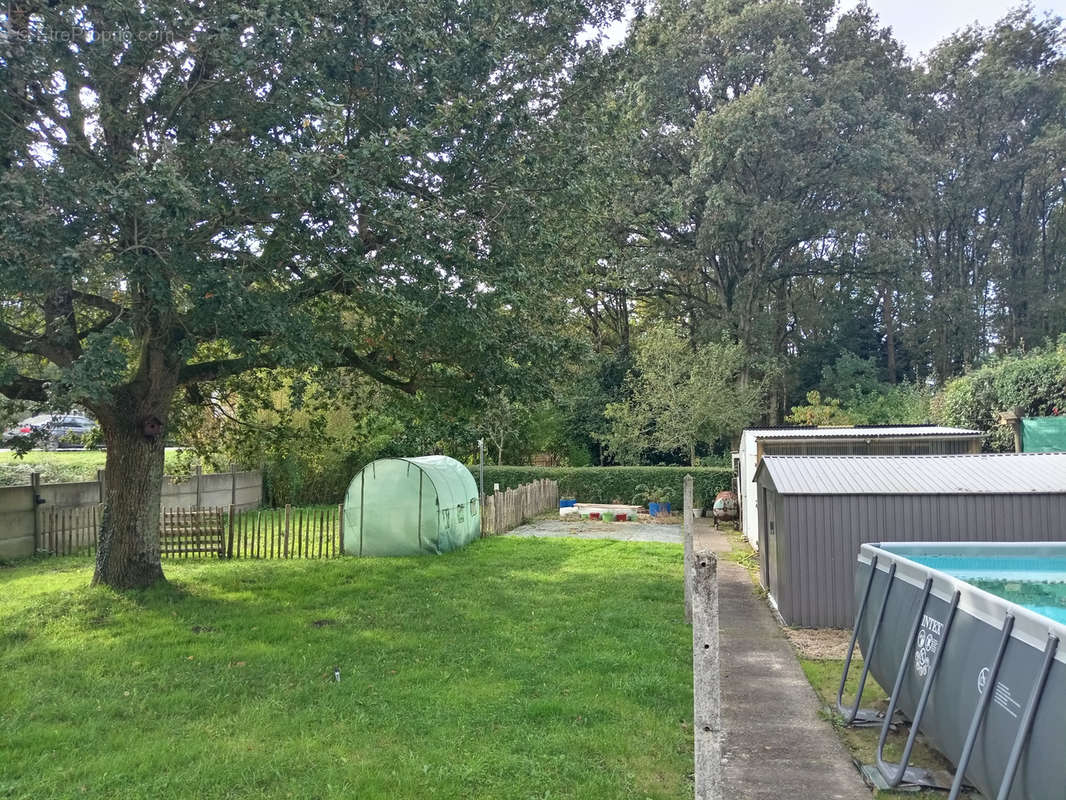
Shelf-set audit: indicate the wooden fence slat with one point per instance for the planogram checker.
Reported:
(505, 510)
(229, 531)
(321, 535)
(288, 526)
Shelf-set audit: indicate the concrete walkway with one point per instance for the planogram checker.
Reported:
(776, 747)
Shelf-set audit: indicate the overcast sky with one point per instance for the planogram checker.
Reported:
(920, 24)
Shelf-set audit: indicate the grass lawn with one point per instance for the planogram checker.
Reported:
(517, 668)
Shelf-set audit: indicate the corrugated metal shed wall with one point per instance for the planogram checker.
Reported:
(819, 536)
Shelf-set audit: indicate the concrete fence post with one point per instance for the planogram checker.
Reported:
(199, 487)
(706, 678)
(686, 512)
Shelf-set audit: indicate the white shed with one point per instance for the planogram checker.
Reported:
(896, 440)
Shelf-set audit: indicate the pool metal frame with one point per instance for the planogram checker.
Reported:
(895, 773)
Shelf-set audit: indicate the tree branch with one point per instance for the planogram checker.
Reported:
(221, 368)
(33, 345)
(102, 303)
(22, 388)
(350, 358)
(225, 367)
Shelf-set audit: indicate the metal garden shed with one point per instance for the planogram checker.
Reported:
(911, 440)
(818, 510)
(838, 441)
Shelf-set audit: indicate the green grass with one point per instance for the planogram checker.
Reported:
(824, 675)
(517, 668)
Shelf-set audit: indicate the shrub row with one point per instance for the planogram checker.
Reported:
(19, 474)
(615, 484)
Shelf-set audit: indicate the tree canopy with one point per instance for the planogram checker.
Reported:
(312, 233)
(194, 191)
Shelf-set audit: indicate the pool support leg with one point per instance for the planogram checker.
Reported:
(1026, 722)
(982, 709)
(895, 773)
(853, 714)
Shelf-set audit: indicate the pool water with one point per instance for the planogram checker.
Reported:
(1048, 599)
(1038, 584)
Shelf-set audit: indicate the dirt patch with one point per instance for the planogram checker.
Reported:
(820, 644)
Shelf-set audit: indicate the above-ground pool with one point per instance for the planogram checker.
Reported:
(966, 637)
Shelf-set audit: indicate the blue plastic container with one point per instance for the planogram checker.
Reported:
(567, 503)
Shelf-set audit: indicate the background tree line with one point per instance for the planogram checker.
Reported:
(768, 216)
(309, 234)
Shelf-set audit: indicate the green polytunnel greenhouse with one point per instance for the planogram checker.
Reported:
(408, 506)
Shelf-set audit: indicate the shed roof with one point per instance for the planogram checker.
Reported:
(979, 473)
(863, 432)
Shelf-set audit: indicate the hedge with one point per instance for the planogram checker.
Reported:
(615, 484)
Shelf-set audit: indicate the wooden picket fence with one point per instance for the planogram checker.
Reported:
(67, 531)
(191, 532)
(287, 533)
(210, 532)
(506, 510)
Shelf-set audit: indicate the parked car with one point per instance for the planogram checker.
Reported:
(52, 430)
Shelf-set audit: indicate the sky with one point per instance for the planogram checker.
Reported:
(920, 24)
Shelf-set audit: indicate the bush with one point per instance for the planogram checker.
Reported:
(614, 484)
(1033, 381)
(303, 479)
(19, 474)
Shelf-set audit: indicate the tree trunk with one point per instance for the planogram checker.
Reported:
(128, 556)
(890, 333)
(133, 427)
